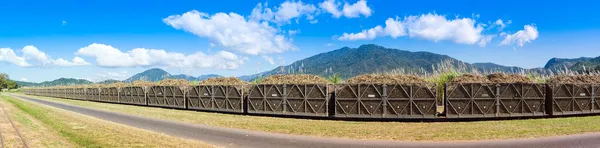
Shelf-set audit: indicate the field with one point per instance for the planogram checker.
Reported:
(43, 126)
(486, 130)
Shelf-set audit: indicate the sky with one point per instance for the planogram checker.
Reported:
(110, 39)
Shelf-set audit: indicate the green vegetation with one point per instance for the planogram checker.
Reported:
(484, 130)
(335, 78)
(257, 80)
(6, 83)
(84, 131)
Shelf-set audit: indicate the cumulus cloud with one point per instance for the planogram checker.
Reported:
(269, 59)
(8, 55)
(427, 26)
(501, 24)
(364, 34)
(393, 28)
(32, 56)
(521, 37)
(108, 56)
(286, 11)
(348, 10)
(437, 27)
(232, 31)
(23, 79)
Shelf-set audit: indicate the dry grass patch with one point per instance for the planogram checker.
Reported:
(366, 130)
(35, 133)
(85, 131)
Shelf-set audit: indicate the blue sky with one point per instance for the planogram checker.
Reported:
(112, 39)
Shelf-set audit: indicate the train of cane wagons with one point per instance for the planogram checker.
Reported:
(411, 101)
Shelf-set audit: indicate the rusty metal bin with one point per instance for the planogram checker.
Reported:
(132, 95)
(386, 101)
(221, 98)
(289, 99)
(570, 99)
(166, 96)
(79, 93)
(490, 100)
(110, 94)
(92, 94)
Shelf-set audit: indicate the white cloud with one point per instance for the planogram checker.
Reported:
(427, 26)
(286, 11)
(501, 24)
(437, 27)
(268, 59)
(329, 44)
(357, 9)
(8, 55)
(64, 22)
(42, 59)
(349, 10)
(394, 28)
(293, 32)
(33, 55)
(364, 34)
(232, 32)
(521, 37)
(485, 40)
(23, 79)
(331, 6)
(108, 56)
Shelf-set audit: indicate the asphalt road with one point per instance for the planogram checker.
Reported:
(227, 137)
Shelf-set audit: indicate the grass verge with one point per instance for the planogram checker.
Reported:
(85, 131)
(485, 130)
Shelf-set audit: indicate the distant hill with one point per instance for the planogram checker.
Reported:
(57, 82)
(562, 62)
(370, 58)
(152, 75)
(492, 67)
(157, 74)
(182, 76)
(576, 64)
(204, 77)
(109, 81)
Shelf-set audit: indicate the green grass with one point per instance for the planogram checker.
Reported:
(85, 131)
(485, 130)
(43, 116)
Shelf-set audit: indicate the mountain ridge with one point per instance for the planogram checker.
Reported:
(371, 58)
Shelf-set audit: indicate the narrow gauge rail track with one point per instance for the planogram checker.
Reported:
(14, 127)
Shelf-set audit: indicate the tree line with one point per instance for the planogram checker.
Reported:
(6, 83)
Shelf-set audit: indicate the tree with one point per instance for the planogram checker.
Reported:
(11, 84)
(5, 82)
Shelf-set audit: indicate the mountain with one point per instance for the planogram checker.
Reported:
(157, 74)
(370, 58)
(152, 75)
(57, 82)
(182, 76)
(204, 77)
(577, 64)
(560, 63)
(109, 81)
(492, 67)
